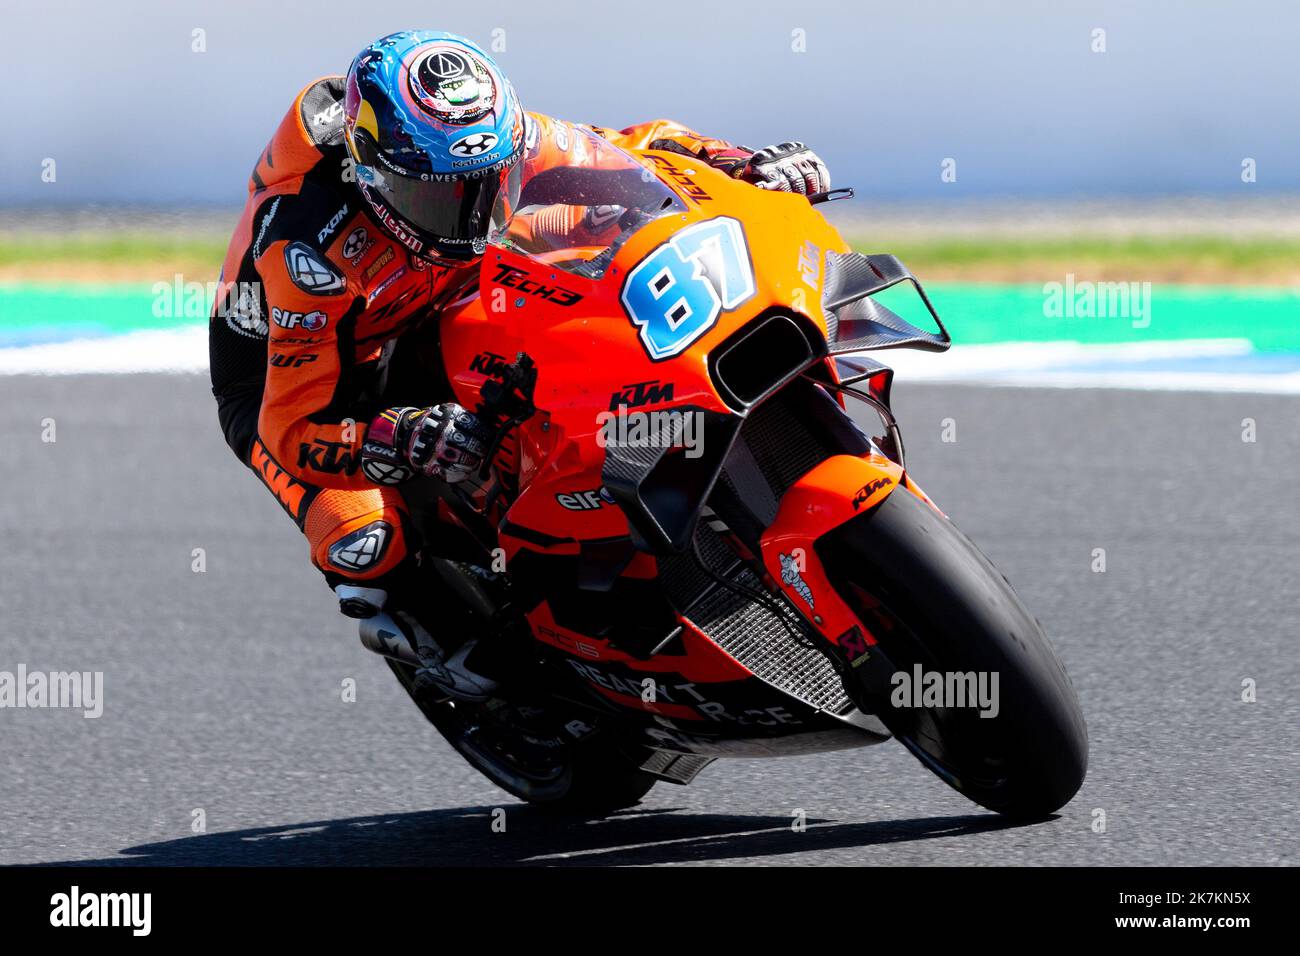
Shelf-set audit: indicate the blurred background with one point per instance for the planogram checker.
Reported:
(997, 147)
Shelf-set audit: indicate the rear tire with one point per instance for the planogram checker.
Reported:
(584, 777)
(930, 597)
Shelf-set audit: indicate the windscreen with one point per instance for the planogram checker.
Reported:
(574, 208)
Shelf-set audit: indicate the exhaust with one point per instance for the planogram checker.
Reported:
(381, 634)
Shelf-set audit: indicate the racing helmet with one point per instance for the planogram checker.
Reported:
(433, 128)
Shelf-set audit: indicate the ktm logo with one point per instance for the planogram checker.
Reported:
(641, 393)
(866, 491)
(289, 492)
(489, 364)
(324, 456)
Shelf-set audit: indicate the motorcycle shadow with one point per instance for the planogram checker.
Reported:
(465, 837)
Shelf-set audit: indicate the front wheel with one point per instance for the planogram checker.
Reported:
(935, 605)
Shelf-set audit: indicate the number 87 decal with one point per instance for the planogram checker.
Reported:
(675, 294)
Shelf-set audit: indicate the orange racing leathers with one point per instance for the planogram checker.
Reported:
(314, 294)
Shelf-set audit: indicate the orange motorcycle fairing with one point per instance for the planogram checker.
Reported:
(835, 491)
(573, 501)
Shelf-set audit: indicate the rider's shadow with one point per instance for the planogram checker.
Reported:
(533, 837)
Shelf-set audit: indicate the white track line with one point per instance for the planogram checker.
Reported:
(1025, 364)
(172, 350)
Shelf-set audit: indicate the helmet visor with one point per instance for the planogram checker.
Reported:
(452, 215)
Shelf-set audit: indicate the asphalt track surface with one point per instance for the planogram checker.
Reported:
(223, 688)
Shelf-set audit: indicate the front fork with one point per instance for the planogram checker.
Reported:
(835, 491)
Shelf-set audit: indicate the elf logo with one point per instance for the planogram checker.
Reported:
(585, 500)
(311, 321)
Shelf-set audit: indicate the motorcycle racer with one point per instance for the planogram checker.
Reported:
(367, 211)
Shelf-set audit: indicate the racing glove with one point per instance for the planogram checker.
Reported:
(786, 167)
(444, 441)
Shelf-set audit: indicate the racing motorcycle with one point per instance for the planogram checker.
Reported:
(683, 545)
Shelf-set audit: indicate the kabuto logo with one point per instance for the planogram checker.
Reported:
(489, 364)
(475, 144)
(641, 393)
(356, 243)
(310, 272)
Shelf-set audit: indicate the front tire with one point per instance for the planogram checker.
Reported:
(931, 598)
